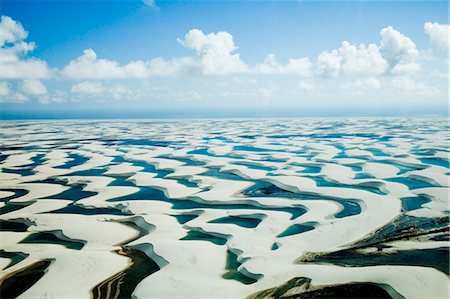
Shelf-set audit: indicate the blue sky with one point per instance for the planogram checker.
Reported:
(223, 58)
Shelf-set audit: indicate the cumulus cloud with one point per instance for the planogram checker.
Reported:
(215, 56)
(22, 69)
(88, 66)
(33, 87)
(177, 66)
(7, 95)
(399, 51)
(352, 60)
(11, 31)
(270, 65)
(396, 55)
(215, 52)
(100, 91)
(299, 66)
(13, 48)
(329, 63)
(439, 35)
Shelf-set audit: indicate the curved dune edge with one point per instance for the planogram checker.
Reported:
(312, 183)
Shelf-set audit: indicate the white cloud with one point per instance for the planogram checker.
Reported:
(299, 66)
(179, 66)
(11, 31)
(396, 55)
(214, 57)
(399, 51)
(351, 60)
(407, 85)
(33, 87)
(87, 66)
(100, 91)
(359, 66)
(87, 87)
(7, 95)
(270, 65)
(215, 52)
(439, 35)
(406, 68)
(12, 50)
(329, 63)
(121, 91)
(24, 69)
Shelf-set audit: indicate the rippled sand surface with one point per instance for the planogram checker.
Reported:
(269, 208)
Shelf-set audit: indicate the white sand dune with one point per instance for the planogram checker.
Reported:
(223, 208)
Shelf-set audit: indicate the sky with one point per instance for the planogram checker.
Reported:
(183, 59)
